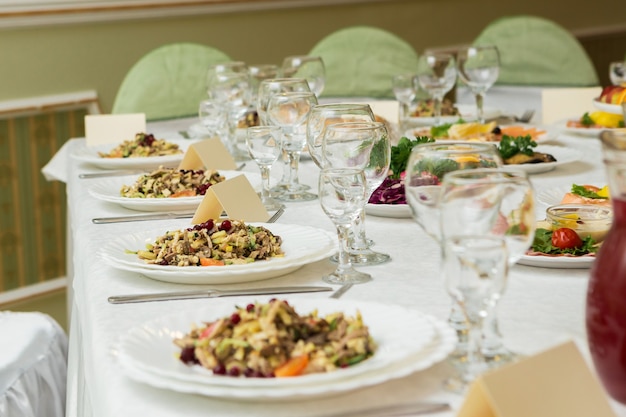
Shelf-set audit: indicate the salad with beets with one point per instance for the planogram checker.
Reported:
(391, 191)
(144, 145)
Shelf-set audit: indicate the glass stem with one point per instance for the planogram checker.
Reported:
(343, 258)
(403, 115)
(265, 177)
(479, 107)
(437, 109)
(294, 159)
(358, 239)
(475, 358)
(286, 178)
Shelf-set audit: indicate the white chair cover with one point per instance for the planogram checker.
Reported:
(33, 365)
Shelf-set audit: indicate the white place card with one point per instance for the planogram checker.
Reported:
(208, 154)
(567, 103)
(101, 129)
(553, 383)
(236, 197)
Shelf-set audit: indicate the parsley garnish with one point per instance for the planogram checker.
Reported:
(586, 120)
(510, 146)
(400, 154)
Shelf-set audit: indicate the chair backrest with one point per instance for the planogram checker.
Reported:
(361, 61)
(168, 82)
(537, 51)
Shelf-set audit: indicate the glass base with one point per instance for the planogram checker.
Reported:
(364, 257)
(347, 277)
(272, 205)
(280, 188)
(296, 196)
(501, 356)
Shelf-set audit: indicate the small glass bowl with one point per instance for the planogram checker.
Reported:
(585, 220)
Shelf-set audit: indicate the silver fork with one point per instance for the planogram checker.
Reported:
(526, 116)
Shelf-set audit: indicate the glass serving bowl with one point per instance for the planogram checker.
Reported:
(585, 220)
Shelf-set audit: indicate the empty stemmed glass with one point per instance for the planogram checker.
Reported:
(212, 116)
(221, 68)
(364, 145)
(308, 67)
(479, 67)
(490, 202)
(475, 274)
(264, 146)
(404, 89)
(257, 74)
(290, 111)
(342, 193)
(232, 89)
(436, 74)
(323, 115)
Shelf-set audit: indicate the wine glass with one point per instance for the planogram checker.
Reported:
(257, 74)
(617, 72)
(478, 67)
(308, 67)
(224, 67)
(212, 116)
(323, 115)
(436, 74)
(290, 111)
(232, 89)
(365, 145)
(490, 202)
(342, 194)
(404, 89)
(475, 272)
(264, 147)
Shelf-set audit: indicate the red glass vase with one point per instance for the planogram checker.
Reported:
(606, 292)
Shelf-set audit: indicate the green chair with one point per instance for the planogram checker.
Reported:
(168, 82)
(537, 51)
(360, 61)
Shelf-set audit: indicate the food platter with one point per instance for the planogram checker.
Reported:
(579, 131)
(399, 211)
(557, 262)
(562, 154)
(109, 190)
(89, 155)
(466, 112)
(409, 341)
(550, 133)
(301, 244)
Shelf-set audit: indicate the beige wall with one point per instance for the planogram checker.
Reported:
(61, 59)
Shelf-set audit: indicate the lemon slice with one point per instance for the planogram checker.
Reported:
(604, 192)
(467, 131)
(570, 224)
(605, 119)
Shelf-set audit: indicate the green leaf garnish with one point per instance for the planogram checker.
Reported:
(400, 154)
(543, 243)
(586, 120)
(584, 192)
(510, 146)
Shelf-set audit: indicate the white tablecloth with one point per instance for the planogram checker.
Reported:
(33, 365)
(541, 307)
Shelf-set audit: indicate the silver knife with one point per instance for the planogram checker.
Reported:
(111, 173)
(399, 410)
(141, 217)
(186, 295)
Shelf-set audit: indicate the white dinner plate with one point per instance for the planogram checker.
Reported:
(408, 342)
(109, 190)
(301, 244)
(608, 107)
(400, 211)
(562, 154)
(550, 134)
(90, 155)
(579, 131)
(557, 262)
(553, 196)
(467, 113)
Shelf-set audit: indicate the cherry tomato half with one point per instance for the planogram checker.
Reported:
(566, 238)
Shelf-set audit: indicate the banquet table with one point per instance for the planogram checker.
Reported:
(541, 307)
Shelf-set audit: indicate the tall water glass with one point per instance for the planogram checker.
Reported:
(405, 88)
(341, 194)
(436, 74)
(264, 146)
(308, 67)
(364, 145)
(323, 115)
(290, 111)
(475, 272)
(490, 202)
(479, 67)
